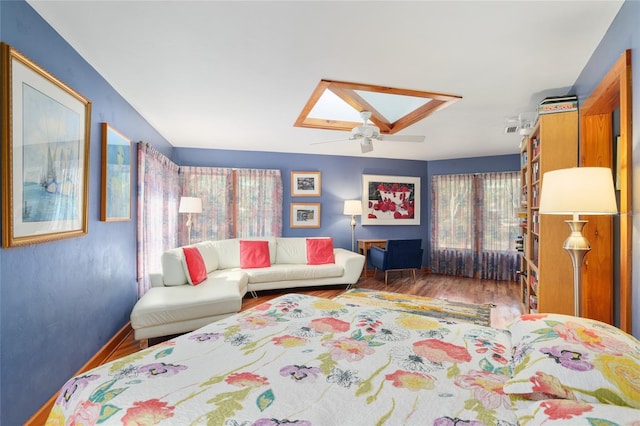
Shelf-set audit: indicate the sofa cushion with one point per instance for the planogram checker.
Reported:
(254, 254)
(291, 250)
(280, 272)
(229, 251)
(214, 296)
(172, 267)
(209, 254)
(320, 251)
(194, 266)
(266, 275)
(236, 277)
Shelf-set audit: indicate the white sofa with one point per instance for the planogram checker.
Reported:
(173, 306)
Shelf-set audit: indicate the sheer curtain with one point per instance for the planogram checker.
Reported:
(259, 203)
(452, 225)
(235, 203)
(215, 187)
(498, 224)
(157, 223)
(474, 225)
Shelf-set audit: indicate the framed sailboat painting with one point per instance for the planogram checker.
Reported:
(45, 154)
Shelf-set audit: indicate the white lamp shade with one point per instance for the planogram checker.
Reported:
(190, 205)
(352, 207)
(578, 190)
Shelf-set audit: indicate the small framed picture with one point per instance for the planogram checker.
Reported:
(305, 215)
(116, 175)
(305, 184)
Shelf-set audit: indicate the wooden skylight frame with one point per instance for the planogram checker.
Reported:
(348, 92)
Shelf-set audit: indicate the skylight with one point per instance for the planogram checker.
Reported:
(337, 105)
(330, 106)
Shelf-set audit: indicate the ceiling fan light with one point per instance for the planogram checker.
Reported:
(366, 145)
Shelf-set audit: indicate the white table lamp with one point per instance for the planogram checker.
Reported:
(353, 208)
(576, 191)
(190, 205)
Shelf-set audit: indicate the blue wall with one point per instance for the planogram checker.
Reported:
(342, 180)
(60, 302)
(623, 34)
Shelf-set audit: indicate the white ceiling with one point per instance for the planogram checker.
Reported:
(236, 74)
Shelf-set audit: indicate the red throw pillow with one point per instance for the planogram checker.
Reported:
(254, 254)
(196, 269)
(320, 251)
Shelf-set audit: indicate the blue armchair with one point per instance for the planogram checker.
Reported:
(398, 255)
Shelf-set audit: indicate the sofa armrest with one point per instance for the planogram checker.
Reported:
(378, 258)
(353, 263)
(156, 279)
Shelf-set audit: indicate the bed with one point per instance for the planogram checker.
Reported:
(304, 360)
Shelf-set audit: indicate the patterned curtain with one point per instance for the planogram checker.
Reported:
(259, 203)
(215, 187)
(498, 222)
(158, 198)
(452, 225)
(474, 225)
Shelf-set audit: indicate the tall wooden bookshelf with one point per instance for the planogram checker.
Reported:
(546, 278)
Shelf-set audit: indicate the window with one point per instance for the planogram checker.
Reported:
(474, 225)
(236, 203)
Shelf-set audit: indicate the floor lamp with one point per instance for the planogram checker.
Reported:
(576, 191)
(353, 208)
(190, 205)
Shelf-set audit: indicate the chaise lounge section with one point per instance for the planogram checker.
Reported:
(177, 304)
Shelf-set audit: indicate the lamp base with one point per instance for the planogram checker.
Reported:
(353, 233)
(577, 246)
(189, 225)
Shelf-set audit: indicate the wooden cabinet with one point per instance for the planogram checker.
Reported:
(546, 277)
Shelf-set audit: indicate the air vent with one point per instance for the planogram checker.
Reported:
(510, 129)
(522, 124)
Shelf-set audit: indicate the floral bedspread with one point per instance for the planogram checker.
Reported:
(308, 361)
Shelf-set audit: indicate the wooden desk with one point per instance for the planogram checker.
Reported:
(365, 245)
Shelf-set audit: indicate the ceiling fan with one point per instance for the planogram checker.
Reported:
(367, 132)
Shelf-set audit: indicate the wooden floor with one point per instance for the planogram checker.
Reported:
(504, 295)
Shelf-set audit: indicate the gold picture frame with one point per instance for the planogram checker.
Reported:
(45, 154)
(305, 215)
(306, 184)
(116, 175)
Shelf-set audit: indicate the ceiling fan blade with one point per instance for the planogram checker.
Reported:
(401, 138)
(366, 143)
(331, 141)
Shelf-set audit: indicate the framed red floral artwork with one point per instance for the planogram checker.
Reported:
(390, 200)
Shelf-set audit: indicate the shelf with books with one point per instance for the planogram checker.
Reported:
(533, 303)
(552, 144)
(523, 278)
(523, 159)
(535, 222)
(535, 148)
(535, 195)
(532, 290)
(520, 243)
(524, 196)
(535, 250)
(535, 172)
